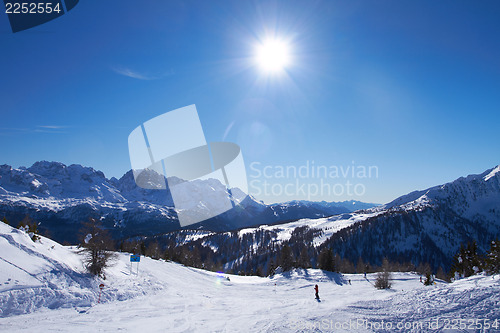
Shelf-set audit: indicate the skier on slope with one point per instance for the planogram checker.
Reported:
(317, 291)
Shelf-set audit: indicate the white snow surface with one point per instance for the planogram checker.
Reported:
(43, 287)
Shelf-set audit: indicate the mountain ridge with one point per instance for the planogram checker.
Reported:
(61, 196)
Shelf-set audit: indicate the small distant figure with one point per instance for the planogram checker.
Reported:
(420, 279)
(365, 275)
(316, 289)
(349, 281)
(227, 278)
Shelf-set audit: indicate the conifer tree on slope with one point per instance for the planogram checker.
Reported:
(286, 258)
(493, 258)
(325, 260)
(466, 262)
(304, 261)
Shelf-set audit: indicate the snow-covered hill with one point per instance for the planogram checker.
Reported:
(45, 274)
(43, 287)
(60, 197)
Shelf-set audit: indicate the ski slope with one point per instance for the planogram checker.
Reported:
(44, 287)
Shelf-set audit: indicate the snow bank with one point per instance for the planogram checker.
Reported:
(45, 274)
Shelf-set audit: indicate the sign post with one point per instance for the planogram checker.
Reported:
(135, 258)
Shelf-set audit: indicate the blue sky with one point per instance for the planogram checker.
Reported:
(411, 87)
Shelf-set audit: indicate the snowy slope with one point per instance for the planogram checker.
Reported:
(55, 295)
(37, 274)
(45, 274)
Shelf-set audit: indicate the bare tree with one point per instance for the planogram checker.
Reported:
(97, 246)
(153, 250)
(383, 280)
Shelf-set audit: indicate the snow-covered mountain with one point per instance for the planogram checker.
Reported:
(429, 225)
(475, 197)
(60, 197)
(421, 227)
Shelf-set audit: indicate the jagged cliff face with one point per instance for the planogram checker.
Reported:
(61, 197)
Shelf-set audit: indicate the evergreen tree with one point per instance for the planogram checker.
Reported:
(346, 266)
(286, 258)
(428, 279)
(424, 268)
(475, 262)
(4, 220)
(466, 262)
(271, 268)
(360, 266)
(337, 261)
(30, 227)
(142, 248)
(441, 274)
(457, 270)
(325, 260)
(194, 258)
(493, 258)
(304, 261)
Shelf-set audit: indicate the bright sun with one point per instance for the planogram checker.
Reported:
(273, 55)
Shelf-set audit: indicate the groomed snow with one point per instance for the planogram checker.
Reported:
(47, 283)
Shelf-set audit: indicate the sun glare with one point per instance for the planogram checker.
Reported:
(273, 55)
